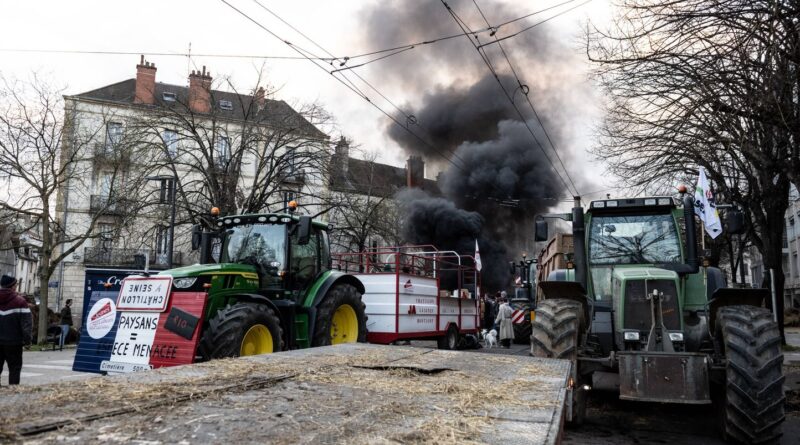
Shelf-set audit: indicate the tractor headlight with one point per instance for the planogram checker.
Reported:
(676, 336)
(183, 283)
(631, 336)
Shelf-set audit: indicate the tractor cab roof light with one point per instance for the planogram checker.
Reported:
(286, 219)
(631, 335)
(664, 201)
(650, 202)
(612, 204)
(599, 204)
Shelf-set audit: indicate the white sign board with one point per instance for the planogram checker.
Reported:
(109, 366)
(144, 294)
(135, 334)
(101, 318)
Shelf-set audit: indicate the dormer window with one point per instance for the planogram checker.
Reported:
(226, 105)
(169, 97)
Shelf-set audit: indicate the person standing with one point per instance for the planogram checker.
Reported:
(15, 328)
(66, 321)
(506, 332)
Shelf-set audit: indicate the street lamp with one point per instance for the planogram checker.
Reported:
(172, 181)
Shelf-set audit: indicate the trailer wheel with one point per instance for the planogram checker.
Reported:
(341, 317)
(556, 329)
(753, 408)
(450, 340)
(240, 330)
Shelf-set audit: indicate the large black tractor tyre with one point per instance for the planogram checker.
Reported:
(242, 329)
(753, 408)
(341, 317)
(556, 332)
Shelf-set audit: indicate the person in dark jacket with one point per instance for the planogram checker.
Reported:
(66, 321)
(15, 328)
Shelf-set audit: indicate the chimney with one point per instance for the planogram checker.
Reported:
(200, 91)
(415, 171)
(341, 155)
(145, 83)
(259, 98)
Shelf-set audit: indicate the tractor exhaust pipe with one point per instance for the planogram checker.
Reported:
(579, 242)
(692, 262)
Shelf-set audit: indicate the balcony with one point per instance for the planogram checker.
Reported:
(99, 256)
(298, 177)
(107, 154)
(110, 205)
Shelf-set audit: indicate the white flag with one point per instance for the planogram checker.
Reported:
(706, 207)
(477, 257)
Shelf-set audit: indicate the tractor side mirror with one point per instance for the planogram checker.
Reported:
(541, 230)
(734, 219)
(197, 236)
(512, 267)
(304, 230)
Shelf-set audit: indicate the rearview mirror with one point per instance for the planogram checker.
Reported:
(304, 230)
(541, 230)
(197, 234)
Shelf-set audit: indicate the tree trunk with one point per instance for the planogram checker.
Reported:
(44, 289)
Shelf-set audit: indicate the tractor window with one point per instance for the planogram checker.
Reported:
(260, 245)
(633, 239)
(304, 262)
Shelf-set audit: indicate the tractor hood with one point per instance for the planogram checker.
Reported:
(209, 269)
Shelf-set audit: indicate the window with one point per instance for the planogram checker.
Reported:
(226, 105)
(169, 97)
(222, 149)
(170, 142)
(162, 243)
(105, 231)
(287, 197)
(113, 135)
(633, 239)
(304, 260)
(259, 245)
(104, 185)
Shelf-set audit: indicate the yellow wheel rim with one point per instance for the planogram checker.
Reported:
(344, 327)
(257, 340)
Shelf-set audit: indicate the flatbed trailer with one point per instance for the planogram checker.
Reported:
(350, 393)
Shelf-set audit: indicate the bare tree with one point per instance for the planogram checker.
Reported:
(363, 204)
(245, 153)
(43, 152)
(706, 83)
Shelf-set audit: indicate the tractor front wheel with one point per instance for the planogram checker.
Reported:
(556, 328)
(341, 317)
(242, 329)
(753, 409)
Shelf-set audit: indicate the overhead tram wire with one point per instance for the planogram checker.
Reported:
(536, 24)
(488, 63)
(528, 98)
(406, 115)
(392, 118)
(151, 53)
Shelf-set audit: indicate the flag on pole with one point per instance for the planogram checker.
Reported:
(477, 257)
(706, 207)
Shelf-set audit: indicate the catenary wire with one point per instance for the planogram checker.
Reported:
(488, 63)
(530, 103)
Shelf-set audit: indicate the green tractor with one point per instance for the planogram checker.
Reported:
(524, 298)
(638, 315)
(272, 289)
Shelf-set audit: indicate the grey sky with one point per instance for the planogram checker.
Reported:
(212, 27)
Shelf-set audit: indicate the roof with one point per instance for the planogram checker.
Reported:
(366, 177)
(274, 111)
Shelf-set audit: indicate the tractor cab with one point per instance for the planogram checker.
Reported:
(287, 252)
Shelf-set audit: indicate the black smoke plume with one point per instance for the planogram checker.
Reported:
(497, 177)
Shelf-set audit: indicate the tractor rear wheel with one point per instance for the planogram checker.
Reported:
(242, 329)
(754, 396)
(341, 317)
(556, 330)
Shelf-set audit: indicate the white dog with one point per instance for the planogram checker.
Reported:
(490, 338)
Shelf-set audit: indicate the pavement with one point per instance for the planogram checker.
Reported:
(42, 367)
